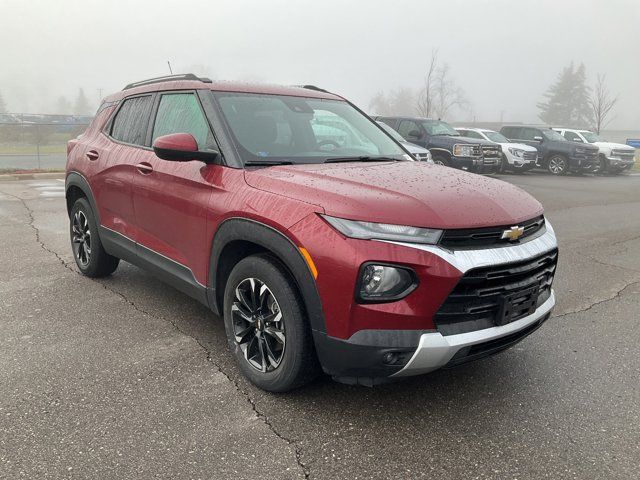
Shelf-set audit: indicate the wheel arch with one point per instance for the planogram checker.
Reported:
(77, 186)
(236, 238)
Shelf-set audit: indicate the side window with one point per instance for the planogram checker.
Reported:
(529, 134)
(474, 135)
(407, 126)
(511, 132)
(130, 124)
(181, 113)
(572, 136)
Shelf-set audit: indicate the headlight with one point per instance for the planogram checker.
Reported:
(463, 150)
(581, 150)
(384, 283)
(384, 231)
(516, 152)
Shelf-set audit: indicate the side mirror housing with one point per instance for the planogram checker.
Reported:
(537, 138)
(181, 147)
(415, 134)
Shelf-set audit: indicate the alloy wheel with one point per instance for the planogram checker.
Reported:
(81, 238)
(557, 165)
(258, 326)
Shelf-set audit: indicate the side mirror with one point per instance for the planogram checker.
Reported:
(537, 138)
(578, 139)
(415, 134)
(181, 147)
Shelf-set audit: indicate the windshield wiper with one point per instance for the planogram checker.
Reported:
(362, 158)
(266, 163)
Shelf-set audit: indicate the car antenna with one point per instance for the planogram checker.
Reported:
(170, 70)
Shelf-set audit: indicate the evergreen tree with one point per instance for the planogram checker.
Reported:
(82, 107)
(567, 100)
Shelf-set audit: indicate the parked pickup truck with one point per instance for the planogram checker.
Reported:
(612, 158)
(446, 145)
(555, 153)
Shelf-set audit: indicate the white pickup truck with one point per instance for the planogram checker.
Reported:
(614, 157)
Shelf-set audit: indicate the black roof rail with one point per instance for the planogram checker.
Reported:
(313, 87)
(168, 78)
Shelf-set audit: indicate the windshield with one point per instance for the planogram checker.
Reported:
(296, 130)
(392, 132)
(437, 127)
(553, 135)
(590, 137)
(496, 137)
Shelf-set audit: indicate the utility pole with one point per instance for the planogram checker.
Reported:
(170, 70)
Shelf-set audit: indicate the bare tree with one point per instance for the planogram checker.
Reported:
(400, 101)
(3, 106)
(439, 94)
(425, 100)
(601, 103)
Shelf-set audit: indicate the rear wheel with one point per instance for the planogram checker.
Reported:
(266, 326)
(557, 165)
(91, 258)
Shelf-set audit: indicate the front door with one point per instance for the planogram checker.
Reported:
(172, 198)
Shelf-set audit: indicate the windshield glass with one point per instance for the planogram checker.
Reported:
(392, 132)
(496, 137)
(301, 130)
(553, 135)
(590, 137)
(437, 127)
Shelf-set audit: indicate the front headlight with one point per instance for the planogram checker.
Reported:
(516, 152)
(384, 231)
(463, 150)
(581, 150)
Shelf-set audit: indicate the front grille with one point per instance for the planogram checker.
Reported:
(488, 236)
(490, 151)
(422, 156)
(624, 154)
(528, 156)
(483, 295)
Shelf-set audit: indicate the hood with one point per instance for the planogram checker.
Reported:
(611, 146)
(402, 193)
(520, 146)
(463, 139)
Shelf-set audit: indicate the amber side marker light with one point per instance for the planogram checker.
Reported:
(309, 260)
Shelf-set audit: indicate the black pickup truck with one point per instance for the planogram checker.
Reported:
(446, 145)
(555, 153)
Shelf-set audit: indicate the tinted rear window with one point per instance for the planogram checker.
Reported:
(130, 124)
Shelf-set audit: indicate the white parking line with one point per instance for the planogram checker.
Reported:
(48, 189)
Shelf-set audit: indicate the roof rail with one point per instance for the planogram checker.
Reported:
(167, 78)
(313, 87)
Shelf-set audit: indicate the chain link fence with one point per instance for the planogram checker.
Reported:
(37, 142)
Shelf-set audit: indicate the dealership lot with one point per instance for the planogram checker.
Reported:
(128, 377)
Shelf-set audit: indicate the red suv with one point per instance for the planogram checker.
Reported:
(293, 215)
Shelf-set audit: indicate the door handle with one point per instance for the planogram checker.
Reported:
(144, 168)
(92, 155)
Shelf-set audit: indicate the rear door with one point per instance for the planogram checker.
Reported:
(118, 153)
(172, 198)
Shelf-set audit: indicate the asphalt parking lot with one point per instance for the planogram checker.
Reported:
(126, 377)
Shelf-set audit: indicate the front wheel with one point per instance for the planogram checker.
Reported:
(440, 160)
(504, 164)
(557, 165)
(266, 327)
(91, 258)
(602, 166)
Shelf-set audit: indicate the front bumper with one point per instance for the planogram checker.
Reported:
(435, 350)
(620, 163)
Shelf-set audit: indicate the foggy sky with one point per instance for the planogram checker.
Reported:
(503, 53)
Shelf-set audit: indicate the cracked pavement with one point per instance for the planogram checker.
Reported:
(127, 378)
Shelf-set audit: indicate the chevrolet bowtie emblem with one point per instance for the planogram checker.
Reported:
(513, 234)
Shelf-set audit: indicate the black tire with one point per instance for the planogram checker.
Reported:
(440, 160)
(603, 165)
(268, 334)
(557, 165)
(90, 256)
(504, 165)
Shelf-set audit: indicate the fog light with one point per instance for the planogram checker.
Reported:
(384, 283)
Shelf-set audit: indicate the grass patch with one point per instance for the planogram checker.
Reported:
(32, 149)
